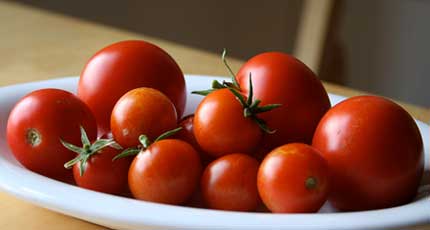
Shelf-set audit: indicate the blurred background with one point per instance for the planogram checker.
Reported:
(377, 46)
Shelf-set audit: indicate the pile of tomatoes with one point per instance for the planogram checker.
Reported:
(269, 138)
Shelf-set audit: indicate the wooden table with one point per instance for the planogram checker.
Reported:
(37, 44)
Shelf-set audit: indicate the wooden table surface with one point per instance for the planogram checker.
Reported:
(37, 44)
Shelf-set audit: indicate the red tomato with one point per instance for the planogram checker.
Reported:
(38, 122)
(102, 174)
(187, 134)
(124, 66)
(230, 183)
(293, 178)
(220, 127)
(142, 111)
(280, 78)
(375, 153)
(168, 171)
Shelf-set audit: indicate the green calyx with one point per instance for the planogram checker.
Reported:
(145, 143)
(252, 107)
(87, 150)
(224, 84)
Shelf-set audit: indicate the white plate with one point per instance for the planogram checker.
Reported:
(125, 213)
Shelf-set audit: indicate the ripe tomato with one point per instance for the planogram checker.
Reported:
(38, 122)
(124, 66)
(293, 178)
(142, 111)
(102, 174)
(375, 153)
(187, 134)
(280, 78)
(230, 183)
(168, 171)
(220, 127)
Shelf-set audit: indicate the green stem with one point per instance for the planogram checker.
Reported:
(168, 134)
(233, 76)
(144, 140)
(87, 150)
(251, 107)
(126, 153)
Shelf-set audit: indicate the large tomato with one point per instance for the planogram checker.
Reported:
(38, 122)
(280, 78)
(375, 153)
(126, 65)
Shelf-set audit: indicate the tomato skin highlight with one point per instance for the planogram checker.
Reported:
(284, 177)
(375, 153)
(279, 78)
(230, 183)
(104, 175)
(48, 115)
(126, 65)
(220, 127)
(167, 172)
(142, 111)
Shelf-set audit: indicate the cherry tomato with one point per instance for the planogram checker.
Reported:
(142, 111)
(293, 178)
(102, 174)
(375, 153)
(126, 65)
(187, 134)
(38, 122)
(230, 183)
(280, 78)
(168, 171)
(220, 127)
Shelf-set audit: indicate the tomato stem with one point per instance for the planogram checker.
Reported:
(216, 84)
(232, 75)
(168, 134)
(144, 140)
(251, 107)
(87, 150)
(127, 152)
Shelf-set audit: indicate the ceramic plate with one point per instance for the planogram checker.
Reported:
(125, 213)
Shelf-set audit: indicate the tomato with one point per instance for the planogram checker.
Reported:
(142, 111)
(37, 123)
(168, 171)
(94, 167)
(220, 127)
(280, 78)
(126, 65)
(187, 134)
(293, 178)
(102, 174)
(230, 183)
(375, 153)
